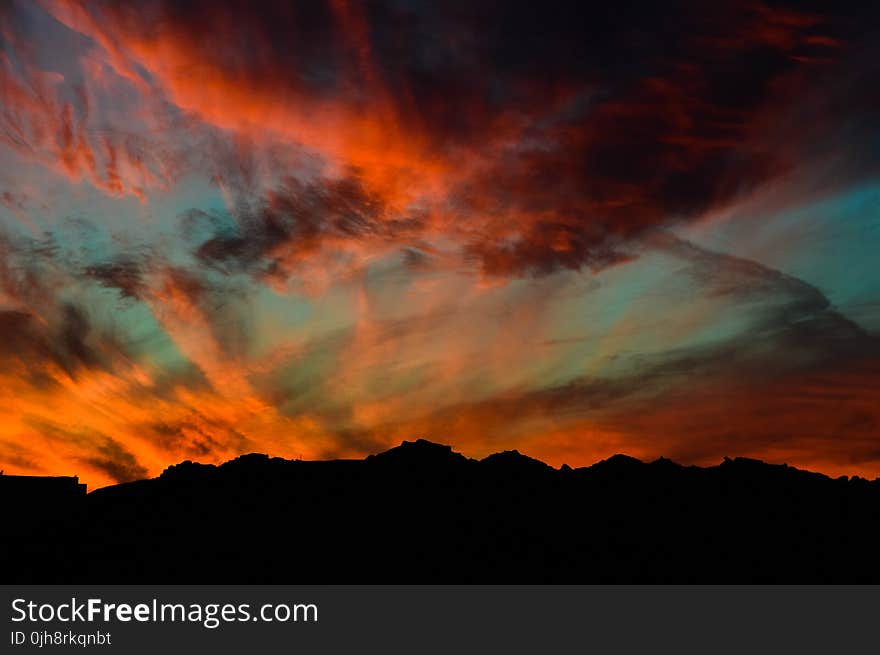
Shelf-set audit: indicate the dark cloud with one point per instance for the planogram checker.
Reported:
(70, 342)
(17, 328)
(545, 248)
(23, 270)
(73, 336)
(564, 129)
(191, 439)
(91, 448)
(113, 459)
(295, 220)
(43, 326)
(125, 274)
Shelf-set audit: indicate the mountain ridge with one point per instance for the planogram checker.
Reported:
(423, 513)
(422, 449)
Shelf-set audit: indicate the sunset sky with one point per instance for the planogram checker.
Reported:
(314, 229)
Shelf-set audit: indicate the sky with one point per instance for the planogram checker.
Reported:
(315, 229)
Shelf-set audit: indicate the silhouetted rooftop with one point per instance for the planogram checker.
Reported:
(42, 483)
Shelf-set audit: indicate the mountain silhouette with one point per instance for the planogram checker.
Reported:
(423, 513)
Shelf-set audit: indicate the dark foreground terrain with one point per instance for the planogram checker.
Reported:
(421, 513)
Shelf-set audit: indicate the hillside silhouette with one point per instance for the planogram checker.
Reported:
(422, 513)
